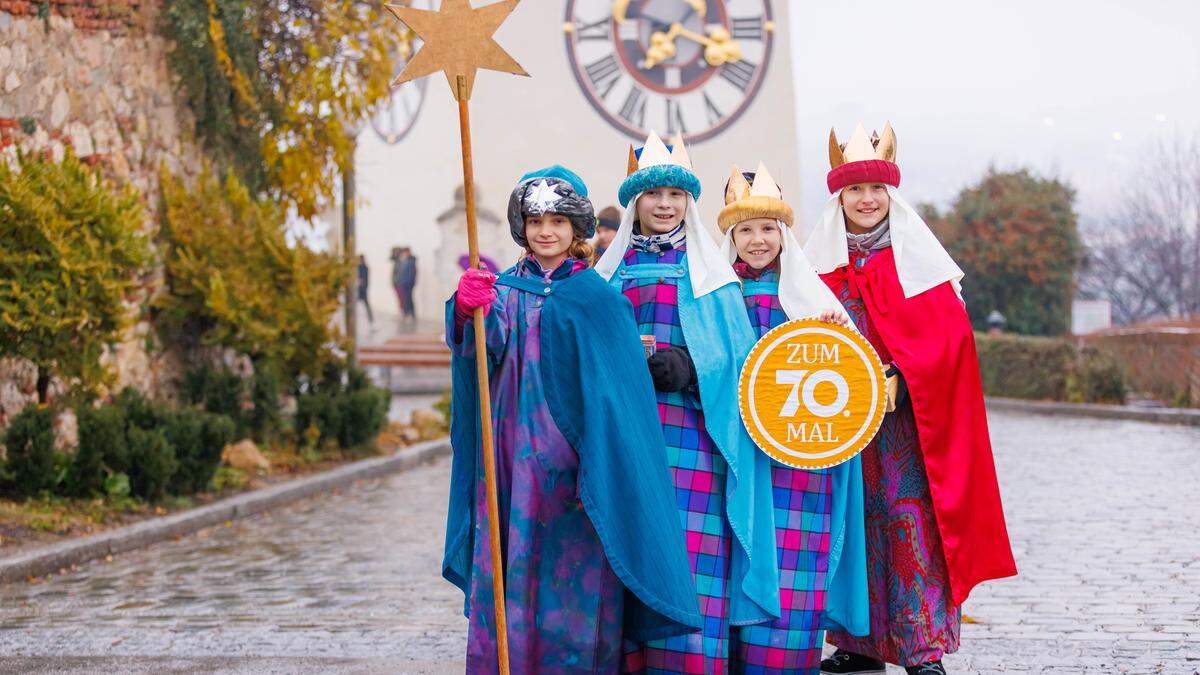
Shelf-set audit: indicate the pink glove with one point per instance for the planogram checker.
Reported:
(476, 288)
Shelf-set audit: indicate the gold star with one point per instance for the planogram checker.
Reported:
(458, 41)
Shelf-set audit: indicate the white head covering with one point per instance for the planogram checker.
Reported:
(802, 294)
(921, 261)
(708, 269)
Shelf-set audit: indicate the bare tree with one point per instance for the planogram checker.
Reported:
(1146, 258)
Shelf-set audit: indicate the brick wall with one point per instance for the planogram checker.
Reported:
(115, 16)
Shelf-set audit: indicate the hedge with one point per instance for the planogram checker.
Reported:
(1048, 369)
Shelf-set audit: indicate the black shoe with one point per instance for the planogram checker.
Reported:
(931, 668)
(849, 663)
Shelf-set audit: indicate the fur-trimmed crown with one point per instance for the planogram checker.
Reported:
(656, 164)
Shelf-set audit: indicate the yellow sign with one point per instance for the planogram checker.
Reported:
(812, 393)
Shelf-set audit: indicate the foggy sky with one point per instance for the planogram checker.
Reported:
(1074, 89)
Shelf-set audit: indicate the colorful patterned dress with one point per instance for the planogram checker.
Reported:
(803, 501)
(698, 469)
(913, 616)
(563, 601)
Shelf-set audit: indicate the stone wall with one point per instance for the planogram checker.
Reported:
(88, 75)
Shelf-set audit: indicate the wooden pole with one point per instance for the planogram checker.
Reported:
(350, 247)
(485, 399)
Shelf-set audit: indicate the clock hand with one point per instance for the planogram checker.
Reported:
(694, 7)
(619, 7)
(719, 47)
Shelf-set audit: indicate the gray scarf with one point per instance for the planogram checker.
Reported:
(876, 239)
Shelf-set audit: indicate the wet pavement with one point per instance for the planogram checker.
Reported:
(1103, 516)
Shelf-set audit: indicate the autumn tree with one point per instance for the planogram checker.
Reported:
(233, 281)
(1014, 234)
(278, 88)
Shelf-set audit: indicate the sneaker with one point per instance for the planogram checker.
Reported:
(849, 663)
(931, 668)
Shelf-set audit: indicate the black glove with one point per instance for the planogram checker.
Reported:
(671, 369)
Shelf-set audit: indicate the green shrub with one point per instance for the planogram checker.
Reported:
(253, 405)
(1098, 378)
(102, 450)
(140, 411)
(264, 414)
(343, 407)
(29, 443)
(197, 439)
(152, 463)
(218, 391)
(1045, 368)
(1024, 367)
(364, 414)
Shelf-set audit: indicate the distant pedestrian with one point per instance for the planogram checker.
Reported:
(364, 278)
(404, 279)
(608, 221)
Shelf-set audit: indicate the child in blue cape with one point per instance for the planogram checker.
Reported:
(818, 513)
(593, 550)
(686, 297)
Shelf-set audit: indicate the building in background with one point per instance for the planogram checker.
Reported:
(1089, 316)
(603, 73)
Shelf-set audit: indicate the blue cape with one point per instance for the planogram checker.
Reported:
(600, 396)
(718, 337)
(846, 601)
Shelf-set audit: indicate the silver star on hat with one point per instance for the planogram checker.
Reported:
(542, 198)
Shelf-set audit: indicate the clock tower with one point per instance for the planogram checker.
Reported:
(603, 74)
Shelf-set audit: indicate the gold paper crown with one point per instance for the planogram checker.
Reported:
(861, 147)
(744, 201)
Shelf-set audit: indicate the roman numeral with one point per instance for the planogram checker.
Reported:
(634, 108)
(675, 117)
(597, 30)
(710, 109)
(749, 28)
(604, 74)
(739, 73)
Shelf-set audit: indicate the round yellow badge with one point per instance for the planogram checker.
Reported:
(812, 393)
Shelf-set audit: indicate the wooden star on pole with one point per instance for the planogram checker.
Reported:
(458, 41)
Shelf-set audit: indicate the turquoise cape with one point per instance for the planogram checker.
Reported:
(846, 601)
(601, 398)
(718, 337)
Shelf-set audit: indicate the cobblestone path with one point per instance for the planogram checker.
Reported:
(1105, 518)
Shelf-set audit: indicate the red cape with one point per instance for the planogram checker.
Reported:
(930, 338)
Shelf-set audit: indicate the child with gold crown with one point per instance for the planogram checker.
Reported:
(934, 524)
(686, 300)
(818, 513)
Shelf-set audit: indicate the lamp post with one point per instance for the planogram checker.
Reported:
(996, 322)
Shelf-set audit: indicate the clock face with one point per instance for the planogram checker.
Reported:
(397, 117)
(690, 66)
